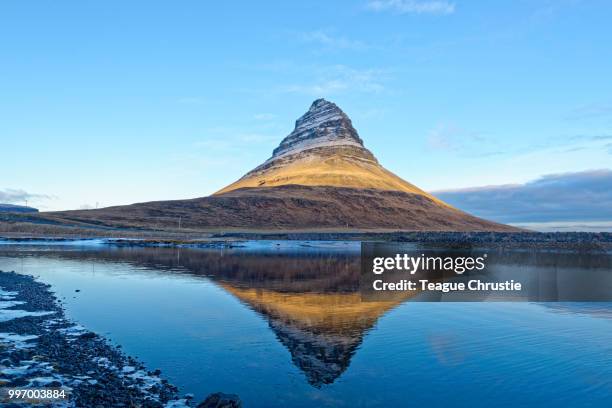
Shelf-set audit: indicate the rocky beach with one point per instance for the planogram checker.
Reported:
(41, 349)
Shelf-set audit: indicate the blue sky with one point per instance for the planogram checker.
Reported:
(115, 102)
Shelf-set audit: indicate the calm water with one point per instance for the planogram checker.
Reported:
(281, 324)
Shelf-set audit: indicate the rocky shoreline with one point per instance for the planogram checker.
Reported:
(522, 240)
(41, 348)
(572, 241)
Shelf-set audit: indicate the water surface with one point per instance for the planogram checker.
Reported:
(282, 324)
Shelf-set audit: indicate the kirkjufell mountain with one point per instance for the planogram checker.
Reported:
(320, 178)
(324, 149)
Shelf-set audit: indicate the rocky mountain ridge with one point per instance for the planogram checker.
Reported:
(324, 125)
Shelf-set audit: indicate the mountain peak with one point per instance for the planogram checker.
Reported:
(324, 125)
(323, 103)
(324, 149)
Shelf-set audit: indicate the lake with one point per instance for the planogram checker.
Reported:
(281, 323)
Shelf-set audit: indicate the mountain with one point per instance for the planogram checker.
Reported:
(321, 174)
(324, 149)
(320, 177)
(17, 208)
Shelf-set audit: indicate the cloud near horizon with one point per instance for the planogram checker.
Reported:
(18, 196)
(581, 196)
(412, 6)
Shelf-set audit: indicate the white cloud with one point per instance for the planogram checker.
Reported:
(412, 6)
(441, 137)
(340, 78)
(232, 139)
(264, 116)
(454, 138)
(327, 40)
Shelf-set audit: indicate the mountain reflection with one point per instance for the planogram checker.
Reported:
(321, 330)
(310, 298)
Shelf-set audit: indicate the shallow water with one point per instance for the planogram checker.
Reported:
(281, 324)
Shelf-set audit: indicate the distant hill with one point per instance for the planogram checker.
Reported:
(17, 208)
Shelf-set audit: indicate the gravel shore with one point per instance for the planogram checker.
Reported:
(599, 241)
(40, 348)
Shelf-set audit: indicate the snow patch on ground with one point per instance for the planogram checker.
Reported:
(17, 341)
(310, 121)
(51, 241)
(74, 331)
(4, 295)
(6, 302)
(6, 315)
(309, 144)
(104, 362)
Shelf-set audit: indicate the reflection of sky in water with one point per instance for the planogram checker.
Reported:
(213, 333)
(552, 226)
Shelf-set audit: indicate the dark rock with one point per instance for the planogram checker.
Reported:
(221, 400)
